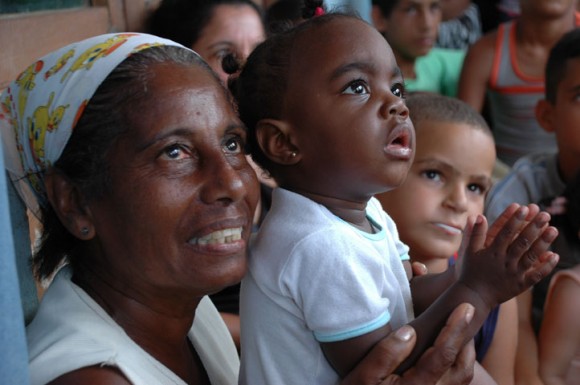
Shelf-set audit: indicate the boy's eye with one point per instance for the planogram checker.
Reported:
(476, 188)
(432, 174)
(398, 89)
(358, 87)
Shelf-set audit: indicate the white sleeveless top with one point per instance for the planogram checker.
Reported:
(71, 331)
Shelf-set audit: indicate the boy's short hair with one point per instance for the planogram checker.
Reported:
(439, 108)
(568, 47)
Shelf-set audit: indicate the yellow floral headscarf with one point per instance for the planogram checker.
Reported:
(39, 110)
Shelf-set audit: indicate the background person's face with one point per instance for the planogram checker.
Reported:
(235, 29)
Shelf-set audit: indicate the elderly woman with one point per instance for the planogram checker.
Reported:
(128, 148)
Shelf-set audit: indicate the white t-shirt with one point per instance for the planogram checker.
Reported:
(71, 331)
(315, 278)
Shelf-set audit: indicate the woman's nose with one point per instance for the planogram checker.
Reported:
(223, 183)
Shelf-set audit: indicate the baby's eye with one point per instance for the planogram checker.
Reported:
(398, 89)
(234, 145)
(176, 152)
(357, 87)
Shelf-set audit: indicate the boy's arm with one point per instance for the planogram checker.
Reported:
(476, 72)
(516, 259)
(559, 337)
(527, 366)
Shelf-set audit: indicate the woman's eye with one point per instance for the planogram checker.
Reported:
(357, 87)
(234, 145)
(398, 89)
(176, 152)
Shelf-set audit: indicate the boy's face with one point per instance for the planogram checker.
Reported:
(411, 28)
(563, 117)
(344, 105)
(447, 183)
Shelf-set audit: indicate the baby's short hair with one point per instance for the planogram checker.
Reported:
(439, 108)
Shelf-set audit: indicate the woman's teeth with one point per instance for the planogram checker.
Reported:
(219, 237)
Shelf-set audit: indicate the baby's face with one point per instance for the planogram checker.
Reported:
(447, 183)
(344, 104)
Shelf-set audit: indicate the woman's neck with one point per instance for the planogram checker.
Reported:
(162, 334)
(143, 315)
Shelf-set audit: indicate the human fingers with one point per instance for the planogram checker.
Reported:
(531, 242)
(510, 230)
(544, 266)
(419, 269)
(462, 371)
(474, 236)
(444, 353)
(378, 366)
(499, 223)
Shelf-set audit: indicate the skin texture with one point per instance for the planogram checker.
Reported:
(559, 338)
(444, 186)
(184, 152)
(352, 136)
(411, 30)
(235, 29)
(539, 27)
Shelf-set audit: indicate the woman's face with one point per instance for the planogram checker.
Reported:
(178, 215)
(235, 29)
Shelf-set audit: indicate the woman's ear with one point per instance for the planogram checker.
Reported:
(69, 204)
(544, 115)
(277, 141)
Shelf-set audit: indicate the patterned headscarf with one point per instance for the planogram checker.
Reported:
(39, 110)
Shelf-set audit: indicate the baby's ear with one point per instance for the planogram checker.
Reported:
(544, 115)
(277, 141)
(69, 205)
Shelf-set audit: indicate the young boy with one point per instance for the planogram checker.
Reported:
(447, 183)
(410, 27)
(538, 177)
(505, 69)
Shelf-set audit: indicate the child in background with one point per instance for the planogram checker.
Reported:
(542, 176)
(559, 336)
(327, 273)
(410, 27)
(505, 69)
(460, 25)
(445, 185)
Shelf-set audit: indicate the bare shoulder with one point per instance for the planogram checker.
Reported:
(481, 52)
(94, 375)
